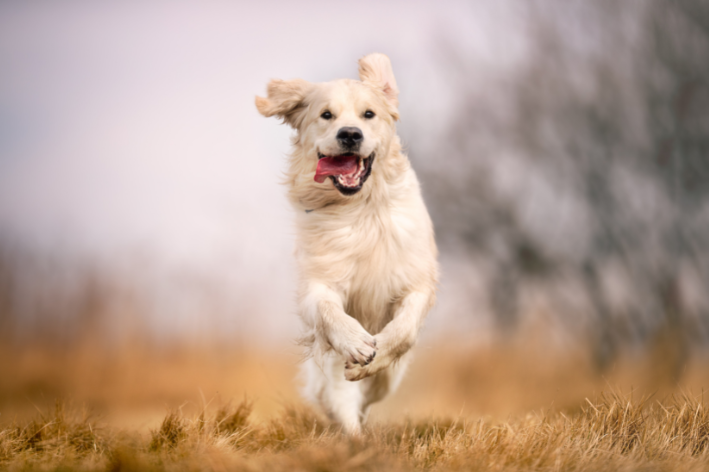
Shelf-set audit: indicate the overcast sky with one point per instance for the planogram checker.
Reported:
(129, 128)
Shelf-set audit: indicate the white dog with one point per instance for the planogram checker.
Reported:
(365, 245)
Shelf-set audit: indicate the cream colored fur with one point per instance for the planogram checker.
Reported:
(368, 268)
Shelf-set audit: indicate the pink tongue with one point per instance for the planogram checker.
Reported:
(340, 165)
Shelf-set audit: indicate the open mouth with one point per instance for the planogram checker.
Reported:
(347, 171)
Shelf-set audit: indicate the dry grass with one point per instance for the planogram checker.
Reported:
(517, 407)
(457, 410)
(613, 432)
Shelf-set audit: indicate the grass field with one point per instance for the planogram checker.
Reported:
(524, 407)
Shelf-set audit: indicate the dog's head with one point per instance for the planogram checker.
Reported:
(342, 126)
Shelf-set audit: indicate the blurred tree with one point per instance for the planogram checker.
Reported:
(603, 133)
(6, 283)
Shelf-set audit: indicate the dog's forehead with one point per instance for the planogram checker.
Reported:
(346, 93)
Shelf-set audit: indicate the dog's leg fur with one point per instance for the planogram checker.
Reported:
(323, 312)
(377, 387)
(347, 403)
(344, 401)
(397, 337)
(326, 386)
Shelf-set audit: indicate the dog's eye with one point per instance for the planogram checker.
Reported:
(326, 115)
(369, 114)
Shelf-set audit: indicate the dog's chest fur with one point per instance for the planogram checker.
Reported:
(372, 253)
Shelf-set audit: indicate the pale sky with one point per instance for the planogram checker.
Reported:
(129, 128)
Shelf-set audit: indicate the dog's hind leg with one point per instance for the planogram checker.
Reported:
(326, 387)
(377, 387)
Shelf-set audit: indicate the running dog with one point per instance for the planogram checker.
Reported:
(364, 244)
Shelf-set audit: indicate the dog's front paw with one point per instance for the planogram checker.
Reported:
(354, 372)
(385, 356)
(353, 342)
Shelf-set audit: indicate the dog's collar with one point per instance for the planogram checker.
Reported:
(324, 206)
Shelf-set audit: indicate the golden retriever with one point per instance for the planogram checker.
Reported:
(365, 246)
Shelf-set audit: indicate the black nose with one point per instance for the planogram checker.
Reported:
(349, 136)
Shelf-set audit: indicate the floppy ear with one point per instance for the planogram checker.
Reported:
(375, 70)
(286, 100)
